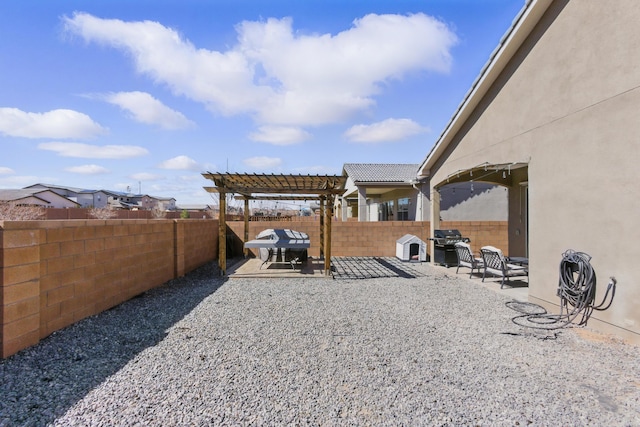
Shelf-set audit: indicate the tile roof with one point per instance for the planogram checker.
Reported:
(62, 187)
(11, 194)
(381, 172)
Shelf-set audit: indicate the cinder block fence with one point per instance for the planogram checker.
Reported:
(378, 238)
(54, 273)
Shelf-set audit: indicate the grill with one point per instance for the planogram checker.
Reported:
(445, 251)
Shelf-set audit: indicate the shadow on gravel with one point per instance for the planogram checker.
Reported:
(42, 382)
(371, 268)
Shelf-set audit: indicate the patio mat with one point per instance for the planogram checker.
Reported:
(371, 268)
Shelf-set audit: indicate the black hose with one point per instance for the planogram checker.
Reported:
(577, 291)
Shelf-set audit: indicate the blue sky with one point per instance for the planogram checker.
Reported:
(110, 94)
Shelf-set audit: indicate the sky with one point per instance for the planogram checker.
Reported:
(146, 95)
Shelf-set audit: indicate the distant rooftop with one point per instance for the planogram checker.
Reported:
(10, 195)
(381, 172)
(62, 187)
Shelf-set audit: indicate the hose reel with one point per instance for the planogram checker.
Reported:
(577, 292)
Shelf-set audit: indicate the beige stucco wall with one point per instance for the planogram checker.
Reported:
(568, 104)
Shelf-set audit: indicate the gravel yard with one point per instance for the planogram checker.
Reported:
(437, 349)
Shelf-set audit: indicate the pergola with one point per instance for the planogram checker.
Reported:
(276, 187)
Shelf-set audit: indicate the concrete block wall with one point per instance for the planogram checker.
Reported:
(373, 238)
(196, 243)
(54, 273)
(20, 291)
(349, 238)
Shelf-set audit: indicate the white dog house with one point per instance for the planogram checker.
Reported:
(411, 248)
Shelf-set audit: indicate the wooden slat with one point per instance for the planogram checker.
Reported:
(277, 187)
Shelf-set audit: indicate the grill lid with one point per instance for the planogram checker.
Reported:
(446, 234)
(448, 237)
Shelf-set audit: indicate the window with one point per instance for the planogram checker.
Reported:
(403, 209)
(385, 211)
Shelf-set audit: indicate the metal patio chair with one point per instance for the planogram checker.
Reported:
(496, 264)
(466, 258)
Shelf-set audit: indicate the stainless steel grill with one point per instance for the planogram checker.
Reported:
(445, 251)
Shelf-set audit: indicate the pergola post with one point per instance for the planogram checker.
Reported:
(222, 234)
(246, 225)
(285, 187)
(322, 236)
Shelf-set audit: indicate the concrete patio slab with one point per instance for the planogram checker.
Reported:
(252, 267)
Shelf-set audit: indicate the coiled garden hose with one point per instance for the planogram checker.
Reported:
(577, 291)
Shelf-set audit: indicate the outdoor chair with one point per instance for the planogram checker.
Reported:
(496, 264)
(466, 258)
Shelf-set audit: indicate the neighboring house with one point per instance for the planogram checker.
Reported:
(553, 117)
(476, 201)
(141, 201)
(382, 192)
(36, 197)
(163, 203)
(121, 200)
(194, 208)
(85, 198)
(385, 192)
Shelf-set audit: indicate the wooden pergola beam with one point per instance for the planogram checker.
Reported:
(276, 198)
(285, 187)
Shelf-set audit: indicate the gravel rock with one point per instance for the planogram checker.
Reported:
(433, 350)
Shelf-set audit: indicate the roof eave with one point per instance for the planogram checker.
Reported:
(522, 26)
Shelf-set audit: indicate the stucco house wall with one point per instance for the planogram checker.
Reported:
(565, 108)
(385, 191)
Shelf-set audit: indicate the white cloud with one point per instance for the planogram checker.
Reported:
(384, 131)
(277, 74)
(6, 171)
(180, 163)
(52, 124)
(88, 169)
(279, 135)
(144, 108)
(190, 178)
(144, 176)
(316, 170)
(262, 163)
(74, 149)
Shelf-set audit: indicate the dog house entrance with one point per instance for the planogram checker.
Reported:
(414, 251)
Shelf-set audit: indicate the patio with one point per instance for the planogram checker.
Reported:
(342, 268)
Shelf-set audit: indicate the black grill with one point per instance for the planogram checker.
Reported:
(445, 251)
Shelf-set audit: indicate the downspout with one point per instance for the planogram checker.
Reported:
(421, 198)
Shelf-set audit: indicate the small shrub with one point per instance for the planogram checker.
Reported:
(105, 212)
(184, 214)
(10, 211)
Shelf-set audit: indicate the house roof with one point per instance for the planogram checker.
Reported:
(11, 195)
(522, 25)
(381, 172)
(62, 187)
(14, 195)
(41, 187)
